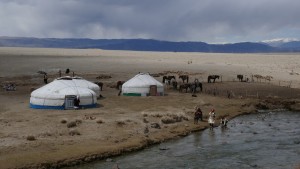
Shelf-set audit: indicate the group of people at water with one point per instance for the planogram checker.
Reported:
(198, 116)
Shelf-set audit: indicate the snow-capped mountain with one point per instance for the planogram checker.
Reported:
(279, 41)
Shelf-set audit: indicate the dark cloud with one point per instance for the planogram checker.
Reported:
(176, 20)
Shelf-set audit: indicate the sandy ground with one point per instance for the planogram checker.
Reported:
(120, 123)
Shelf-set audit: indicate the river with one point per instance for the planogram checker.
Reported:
(263, 140)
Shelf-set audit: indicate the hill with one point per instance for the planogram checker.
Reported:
(138, 45)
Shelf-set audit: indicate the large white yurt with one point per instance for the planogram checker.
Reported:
(142, 84)
(60, 94)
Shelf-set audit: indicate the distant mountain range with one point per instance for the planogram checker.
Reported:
(152, 45)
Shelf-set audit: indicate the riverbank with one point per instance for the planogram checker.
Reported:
(118, 125)
(31, 138)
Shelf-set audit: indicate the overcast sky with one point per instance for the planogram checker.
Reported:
(212, 21)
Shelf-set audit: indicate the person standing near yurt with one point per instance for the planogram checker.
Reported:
(45, 78)
(211, 118)
(76, 102)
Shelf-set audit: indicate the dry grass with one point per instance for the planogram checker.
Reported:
(72, 124)
(78, 121)
(30, 138)
(145, 120)
(99, 121)
(121, 122)
(74, 132)
(63, 121)
(168, 120)
(174, 117)
(167, 117)
(45, 134)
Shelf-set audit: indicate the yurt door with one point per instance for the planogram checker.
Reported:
(69, 101)
(153, 90)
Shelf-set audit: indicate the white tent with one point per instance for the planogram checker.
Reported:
(56, 94)
(142, 85)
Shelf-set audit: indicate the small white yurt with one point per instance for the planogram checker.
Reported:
(142, 84)
(60, 94)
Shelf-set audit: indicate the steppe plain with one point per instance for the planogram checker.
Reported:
(121, 124)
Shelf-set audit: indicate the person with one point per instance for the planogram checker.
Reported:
(76, 102)
(211, 118)
(59, 73)
(45, 79)
(198, 115)
(67, 71)
(224, 122)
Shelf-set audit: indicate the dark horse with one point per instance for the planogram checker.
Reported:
(100, 84)
(240, 77)
(185, 86)
(174, 84)
(212, 77)
(168, 78)
(119, 84)
(184, 77)
(195, 85)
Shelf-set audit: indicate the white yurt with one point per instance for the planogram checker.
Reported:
(142, 84)
(60, 94)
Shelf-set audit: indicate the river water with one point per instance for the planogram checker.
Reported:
(263, 140)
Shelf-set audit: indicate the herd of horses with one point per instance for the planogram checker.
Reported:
(186, 86)
(193, 87)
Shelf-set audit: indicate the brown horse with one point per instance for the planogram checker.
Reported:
(168, 79)
(184, 77)
(212, 77)
(240, 77)
(185, 86)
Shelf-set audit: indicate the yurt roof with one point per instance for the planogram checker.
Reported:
(79, 82)
(61, 87)
(142, 80)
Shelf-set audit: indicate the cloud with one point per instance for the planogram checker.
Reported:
(175, 20)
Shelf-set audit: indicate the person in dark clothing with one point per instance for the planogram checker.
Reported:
(198, 115)
(45, 79)
(67, 71)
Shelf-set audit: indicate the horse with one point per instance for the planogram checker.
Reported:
(214, 77)
(185, 86)
(167, 79)
(174, 84)
(184, 77)
(119, 84)
(240, 77)
(100, 84)
(195, 85)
